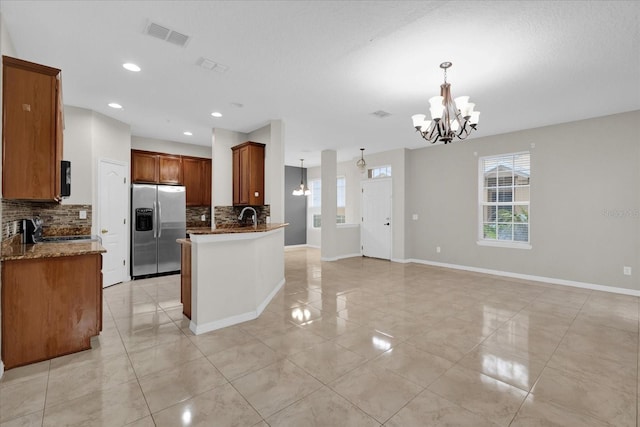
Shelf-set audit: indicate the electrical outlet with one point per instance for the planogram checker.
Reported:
(414, 217)
(83, 215)
(626, 270)
(203, 217)
(438, 249)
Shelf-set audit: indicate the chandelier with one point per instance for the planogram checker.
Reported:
(449, 119)
(361, 164)
(301, 190)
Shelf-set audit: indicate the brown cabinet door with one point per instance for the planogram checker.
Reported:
(50, 307)
(144, 167)
(170, 169)
(192, 174)
(185, 279)
(248, 174)
(32, 131)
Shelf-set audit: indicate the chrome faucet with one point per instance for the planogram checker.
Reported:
(254, 217)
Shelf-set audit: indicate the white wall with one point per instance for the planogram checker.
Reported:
(585, 202)
(78, 149)
(170, 147)
(222, 165)
(271, 135)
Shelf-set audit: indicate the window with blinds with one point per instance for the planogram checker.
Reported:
(504, 199)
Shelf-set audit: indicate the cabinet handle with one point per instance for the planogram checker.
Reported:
(104, 231)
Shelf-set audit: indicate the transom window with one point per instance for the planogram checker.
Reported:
(504, 199)
(380, 172)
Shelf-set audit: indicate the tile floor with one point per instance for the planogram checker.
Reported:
(358, 342)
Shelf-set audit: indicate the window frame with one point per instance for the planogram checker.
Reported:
(480, 203)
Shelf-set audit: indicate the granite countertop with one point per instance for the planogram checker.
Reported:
(50, 250)
(233, 228)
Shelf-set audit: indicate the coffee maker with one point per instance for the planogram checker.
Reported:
(31, 230)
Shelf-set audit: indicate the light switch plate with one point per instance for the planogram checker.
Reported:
(414, 217)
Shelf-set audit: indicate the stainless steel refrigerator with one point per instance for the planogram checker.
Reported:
(158, 218)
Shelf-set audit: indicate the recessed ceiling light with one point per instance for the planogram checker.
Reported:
(187, 133)
(131, 67)
(216, 114)
(115, 105)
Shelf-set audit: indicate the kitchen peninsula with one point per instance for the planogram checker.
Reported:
(235, 271)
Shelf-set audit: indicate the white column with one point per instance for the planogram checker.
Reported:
(328, 230)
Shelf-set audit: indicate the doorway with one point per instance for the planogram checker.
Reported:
(112, 220)
(376, 218)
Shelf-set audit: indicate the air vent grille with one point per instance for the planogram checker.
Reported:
(381, 114)
(167, 34)
(211, 65)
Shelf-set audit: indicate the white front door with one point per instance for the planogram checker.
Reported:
(376, 218)
(112, 221)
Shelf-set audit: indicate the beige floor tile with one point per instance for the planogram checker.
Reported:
(24, 373)
(378, 392)
(366, 342)
(19, 398)
(586, 396)
(413, 364)
(163, 356)
(535, 413)
(327, 361)
(143, 422)
(303, 315)
(174, 385)
(322, 408)
(223, 406)
(429, 409)
(527, 321)
(492, 399)
(276, 386)
(103, 346)
(221, 339)
(604, 343)
(534, 345)
(584, 367)
(145, 338)
(116, 406)
(75, 380)
(293, 341)
(267, 325)
(241, 359)
(516, 371)
(330, 327)
(31, 420)
(142, 321)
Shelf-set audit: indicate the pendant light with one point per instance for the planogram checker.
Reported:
(301, 190)
(362, 165)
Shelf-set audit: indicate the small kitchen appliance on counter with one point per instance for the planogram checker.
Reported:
(31, 230)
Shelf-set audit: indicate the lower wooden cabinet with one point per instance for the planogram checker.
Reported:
(185, 279)
(50, 307)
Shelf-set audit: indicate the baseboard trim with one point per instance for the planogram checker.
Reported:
(1, 369)
(313, 246)
(339, 257)
(296, 246)
(238, 318)
(543, 279)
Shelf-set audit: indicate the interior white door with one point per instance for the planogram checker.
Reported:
(376, 218)
(112, 223)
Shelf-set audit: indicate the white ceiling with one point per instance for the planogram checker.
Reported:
(324, 66)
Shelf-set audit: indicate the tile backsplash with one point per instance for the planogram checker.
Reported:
(194, 216)
(229, 214)
(58, 219)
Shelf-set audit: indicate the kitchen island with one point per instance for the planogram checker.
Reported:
(235, 272)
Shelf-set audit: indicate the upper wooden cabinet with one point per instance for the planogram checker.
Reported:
(248, 174)
(32, 125)
(196, 173)
(155, 168)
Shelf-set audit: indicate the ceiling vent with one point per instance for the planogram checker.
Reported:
(381, 114)
(210, 65)
(167, 34)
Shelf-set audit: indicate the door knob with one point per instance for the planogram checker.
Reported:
(387, 223)
(104, 231)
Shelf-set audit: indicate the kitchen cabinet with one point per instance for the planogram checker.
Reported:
(248, 174)
(185, 277)
(32, 128)
(50, 307)
(155, 168)
(196, 173)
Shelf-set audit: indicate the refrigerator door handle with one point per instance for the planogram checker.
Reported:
(159, 219)
(156, 224)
